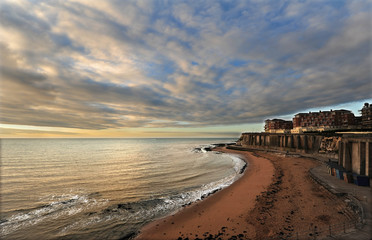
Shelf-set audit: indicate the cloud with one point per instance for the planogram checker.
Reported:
(113, 64)
(13, 132)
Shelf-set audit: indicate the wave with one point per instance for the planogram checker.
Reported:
(59, 205)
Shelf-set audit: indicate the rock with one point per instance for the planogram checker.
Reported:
(219, 144)
(124, 206)
(128, 236)
(329, 144)
(243, 168)
(3, 220)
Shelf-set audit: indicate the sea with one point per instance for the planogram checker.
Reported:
(104, 188)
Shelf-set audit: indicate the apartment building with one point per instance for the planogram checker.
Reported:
(277, 125)
(324, 120)
(366, 116)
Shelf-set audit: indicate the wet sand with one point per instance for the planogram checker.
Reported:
(275, 198)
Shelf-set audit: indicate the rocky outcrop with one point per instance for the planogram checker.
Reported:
(330, 145)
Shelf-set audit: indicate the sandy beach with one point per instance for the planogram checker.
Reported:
(274, 198)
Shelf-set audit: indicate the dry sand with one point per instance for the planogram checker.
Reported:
(275, 198)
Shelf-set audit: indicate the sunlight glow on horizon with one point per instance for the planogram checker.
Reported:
(18, 131)
(233, 131)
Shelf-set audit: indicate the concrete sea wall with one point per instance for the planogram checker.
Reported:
(301, 143)
(353, 151)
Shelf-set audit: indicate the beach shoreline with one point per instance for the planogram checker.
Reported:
(275, 198)
(222, 213)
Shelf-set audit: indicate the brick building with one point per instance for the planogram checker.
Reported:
(334, 119)
(367, 116)
(272, 125)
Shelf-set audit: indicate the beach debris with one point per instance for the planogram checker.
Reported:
(217, 236)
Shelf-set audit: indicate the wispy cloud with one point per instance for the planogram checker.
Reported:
(112, 64)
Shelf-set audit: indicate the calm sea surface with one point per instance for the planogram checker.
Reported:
(103, 188)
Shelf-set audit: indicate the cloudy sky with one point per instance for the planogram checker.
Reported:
(177, 68)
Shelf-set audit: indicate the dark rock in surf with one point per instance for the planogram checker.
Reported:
(129, 236)
(219, 144)
(197, 149)
(3, 221)
(124, 206)
(243, 168)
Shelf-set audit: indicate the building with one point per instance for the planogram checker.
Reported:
(323, 120)
(367, 116)
(355, 153)
(277, 125)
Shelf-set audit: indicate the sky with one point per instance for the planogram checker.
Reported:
(84, 68)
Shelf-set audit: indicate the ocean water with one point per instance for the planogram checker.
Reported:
(103, 188)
